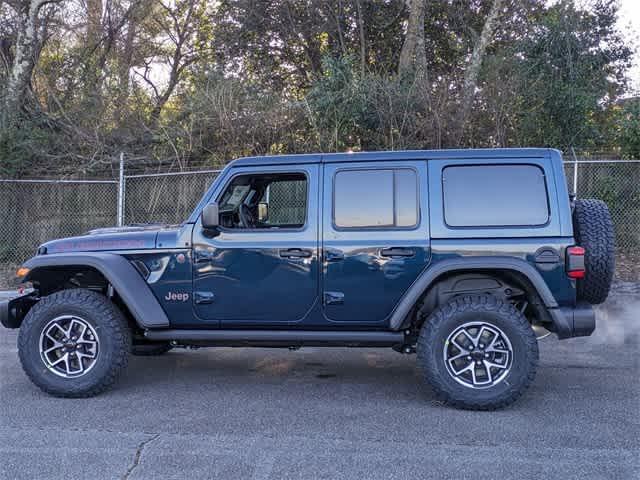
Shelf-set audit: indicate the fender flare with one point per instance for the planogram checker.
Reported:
(432, 272)
(125, 279)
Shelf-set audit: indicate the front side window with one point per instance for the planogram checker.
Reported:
(264, 201)
(384, 198)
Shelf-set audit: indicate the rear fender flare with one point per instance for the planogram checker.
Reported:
(123, 277)
(452, 265)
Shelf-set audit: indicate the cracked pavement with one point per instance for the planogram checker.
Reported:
(330, 413)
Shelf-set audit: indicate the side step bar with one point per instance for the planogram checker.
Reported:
(278, 338)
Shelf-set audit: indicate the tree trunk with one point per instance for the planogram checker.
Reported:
(27, 51)
(473, 70)
(413, 57)
(94, 22)
(124, 69)
(363, 45)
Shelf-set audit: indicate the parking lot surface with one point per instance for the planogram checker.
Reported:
(331, 413)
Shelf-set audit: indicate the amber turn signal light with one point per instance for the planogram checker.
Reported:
(22, 272)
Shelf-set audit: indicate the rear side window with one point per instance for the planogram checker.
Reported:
(495, 196)
(385, 198)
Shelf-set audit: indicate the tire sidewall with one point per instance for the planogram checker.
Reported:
(29, 352)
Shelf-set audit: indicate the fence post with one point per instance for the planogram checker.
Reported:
(121, 181)
(575, 173)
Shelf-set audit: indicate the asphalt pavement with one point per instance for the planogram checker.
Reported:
(331, 413)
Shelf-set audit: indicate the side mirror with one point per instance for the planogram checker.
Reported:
(210, 216)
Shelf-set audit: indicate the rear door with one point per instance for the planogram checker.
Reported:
(375, 237)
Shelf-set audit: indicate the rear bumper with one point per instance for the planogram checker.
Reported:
(578, 321)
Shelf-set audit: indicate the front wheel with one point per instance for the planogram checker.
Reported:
(478, 353)
(74, 343)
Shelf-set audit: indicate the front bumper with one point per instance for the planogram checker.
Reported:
(12, 311)
(578, 321)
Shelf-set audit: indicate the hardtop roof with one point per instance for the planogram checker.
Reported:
(462, 154)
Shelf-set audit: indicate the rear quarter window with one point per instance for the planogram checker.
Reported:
(495, 196)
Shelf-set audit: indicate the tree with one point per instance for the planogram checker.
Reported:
(29, 38)
(571, 66)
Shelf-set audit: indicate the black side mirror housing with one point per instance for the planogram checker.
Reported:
(210, 217)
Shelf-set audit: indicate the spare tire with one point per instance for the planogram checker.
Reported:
(593, 230)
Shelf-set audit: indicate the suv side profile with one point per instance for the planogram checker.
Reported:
(460, 256)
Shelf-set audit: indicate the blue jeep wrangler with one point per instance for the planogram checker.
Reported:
(463, 256)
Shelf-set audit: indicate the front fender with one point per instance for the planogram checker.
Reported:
(431, 274)
(123, 277)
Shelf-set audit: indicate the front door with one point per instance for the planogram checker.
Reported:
(375, 238)
(262, 267)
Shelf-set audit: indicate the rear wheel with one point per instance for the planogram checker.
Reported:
(74, 343)
(478, 353)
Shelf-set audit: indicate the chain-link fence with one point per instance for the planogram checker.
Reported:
(618, 184)
(34, 211)
(164, 198)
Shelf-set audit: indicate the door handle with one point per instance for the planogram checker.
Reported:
(397, 252)
(295, 253)
(331, 255)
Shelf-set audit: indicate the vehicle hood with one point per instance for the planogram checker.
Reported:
(134, 237)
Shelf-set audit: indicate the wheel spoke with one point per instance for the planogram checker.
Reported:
(90, 355)
(67, 364)
(492, 348)
(489, 364)
(458, 346)
(61, 359)
(59, 327)
(488, 370)
(473, 373)
(80, 364)
(83, 329)
(55, 347)
(459, 356)
(481, 331)
(469, 337)
(462, 370)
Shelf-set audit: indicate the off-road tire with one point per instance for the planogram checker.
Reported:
(142, 349)
(110, 326)
(593, 230)
(459, 311)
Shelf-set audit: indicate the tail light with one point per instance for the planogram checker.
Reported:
(575, 262)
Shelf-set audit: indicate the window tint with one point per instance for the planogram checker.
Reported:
(265, 201)
(495, 195)
(375, 199)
